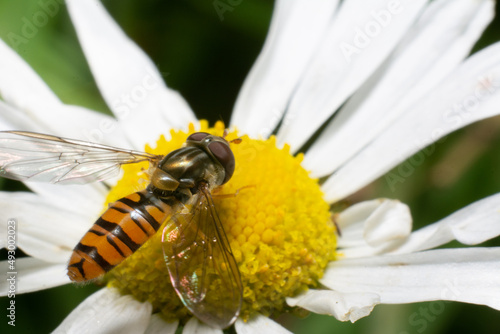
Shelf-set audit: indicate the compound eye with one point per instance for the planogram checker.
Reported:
(197, 136)
(224, 155)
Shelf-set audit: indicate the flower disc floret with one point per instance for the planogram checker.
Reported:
(275, 219)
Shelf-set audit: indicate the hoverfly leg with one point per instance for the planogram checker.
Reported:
(233, 194)
(334, 221)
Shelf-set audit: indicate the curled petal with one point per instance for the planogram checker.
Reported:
(389, 223)
(371, 226)
(343, 306)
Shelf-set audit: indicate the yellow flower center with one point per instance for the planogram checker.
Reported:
(277, 224)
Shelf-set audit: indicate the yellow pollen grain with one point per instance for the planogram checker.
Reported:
(267, 236)
(241, 239)
(277, 224)
(247, 231)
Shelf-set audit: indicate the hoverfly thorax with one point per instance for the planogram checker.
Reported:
(204, 158)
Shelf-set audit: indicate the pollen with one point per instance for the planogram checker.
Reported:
(273, 213)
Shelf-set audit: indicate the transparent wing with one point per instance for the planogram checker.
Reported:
(29, 156)
(201, 265)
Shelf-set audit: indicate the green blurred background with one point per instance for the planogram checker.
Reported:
(206, 59)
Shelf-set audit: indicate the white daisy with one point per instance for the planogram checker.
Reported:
(397, 75)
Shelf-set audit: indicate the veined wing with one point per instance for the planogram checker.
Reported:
(201, 265)
(29, 156)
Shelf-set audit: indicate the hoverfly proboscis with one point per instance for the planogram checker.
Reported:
(178, 197)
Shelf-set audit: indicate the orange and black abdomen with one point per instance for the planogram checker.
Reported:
(120, 231)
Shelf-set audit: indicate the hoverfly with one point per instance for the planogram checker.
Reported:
(196, 250)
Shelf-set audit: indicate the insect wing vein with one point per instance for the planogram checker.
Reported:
(201, 265)
(29, 156)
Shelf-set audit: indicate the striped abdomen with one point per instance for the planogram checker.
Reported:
(120, 231)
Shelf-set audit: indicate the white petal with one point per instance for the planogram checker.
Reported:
(259, 324)
(343, 306)
(128, 80)
(471, 225)
(11, 118)
(357, 214)
(193, 326)
(372, 226)
(159, 326)
(89, 197)
(296, 28)
(36, 108)
(43, 231)
(334, 74)
(20, 86)
(87, 200)
(33, 275)
(390, 223)
(435, 46)
(80, 123)
(469, 94)
(351, 223)
(106, 311)
(468, 275)
(4, 230)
